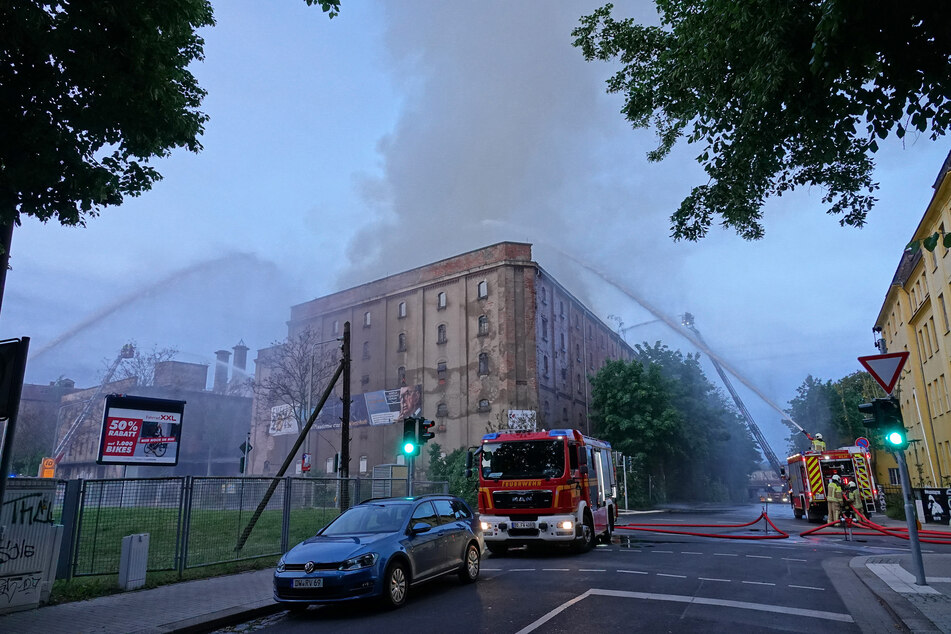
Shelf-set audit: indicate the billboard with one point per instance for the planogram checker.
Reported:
(524, 419)
(283, 421)
(382, 407)
(140, 431)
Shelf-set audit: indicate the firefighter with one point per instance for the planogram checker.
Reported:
(817, 443)
(834, 498)
(853, 500)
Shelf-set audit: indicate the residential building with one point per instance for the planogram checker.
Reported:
(482, 334)
(914, 317)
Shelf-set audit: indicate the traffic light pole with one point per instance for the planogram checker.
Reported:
(910, 519)
(410, 475)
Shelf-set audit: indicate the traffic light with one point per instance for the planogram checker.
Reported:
(424, 433)
(410, 445)
(883, 415)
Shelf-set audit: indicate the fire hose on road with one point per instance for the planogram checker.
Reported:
(650, 527)
(924, 535)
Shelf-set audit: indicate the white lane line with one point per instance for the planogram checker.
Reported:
(521, 569)
(591, 569)
(556, 569)
(759, 556)
(651, 596)
(759, 583)
(713, 579)
(491, 569)
(792, 559)
(689, 552)
(806, 587)
(667, 552)
(662, 574)
(724, 555)
(633, 572)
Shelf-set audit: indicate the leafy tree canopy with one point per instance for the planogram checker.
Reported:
(778, 95)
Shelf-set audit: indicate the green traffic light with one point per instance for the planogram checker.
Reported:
(409, 448)
(895, 438)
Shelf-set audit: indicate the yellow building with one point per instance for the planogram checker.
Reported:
(914, 317)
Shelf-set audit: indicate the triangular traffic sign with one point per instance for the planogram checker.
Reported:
(885, 368)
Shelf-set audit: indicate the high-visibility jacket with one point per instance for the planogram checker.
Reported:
(818, 445)
(834, 493)
(854, 497)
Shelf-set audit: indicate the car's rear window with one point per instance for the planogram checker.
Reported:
(369, 518)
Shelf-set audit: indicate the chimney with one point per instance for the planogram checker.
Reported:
(221, 371)
(240, 357)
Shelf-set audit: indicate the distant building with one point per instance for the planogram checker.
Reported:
(482, 334)
(914, 317)
(214, 425)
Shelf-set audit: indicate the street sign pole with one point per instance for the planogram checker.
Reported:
(910, 519)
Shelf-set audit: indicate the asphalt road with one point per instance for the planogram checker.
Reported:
(643, 582)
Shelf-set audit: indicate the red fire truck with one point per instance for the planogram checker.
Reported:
(809, 474)
(539, 487)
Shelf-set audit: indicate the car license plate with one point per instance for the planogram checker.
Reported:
(523, 524)
(308, 583)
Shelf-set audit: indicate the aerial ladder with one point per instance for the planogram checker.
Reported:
(687, 321)
(127, 352)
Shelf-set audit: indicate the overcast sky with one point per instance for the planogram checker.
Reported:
(340, 151)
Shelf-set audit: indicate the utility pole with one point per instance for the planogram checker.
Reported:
(344, 474)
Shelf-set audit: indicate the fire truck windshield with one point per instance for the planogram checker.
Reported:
(523, 459)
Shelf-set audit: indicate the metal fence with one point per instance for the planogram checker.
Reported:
(198, 521)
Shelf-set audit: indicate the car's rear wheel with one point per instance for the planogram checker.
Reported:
(395, 585)
(469, 571)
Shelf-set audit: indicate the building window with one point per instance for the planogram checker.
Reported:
(944, 311)
(893, 477)
(591, 360)
(441, 300)
(363, 464)
(336, 328)
(561, 308)
(366, 319)
(564, 374)
(401, 375)
(366, 349)
(483, 363)
(441, 372)
(483, 289)
(564, 414)
(578, 380)
(442, 410)
(562, 342)
(484, 405)
(483, 325)
(547, 411)
(544, 329)
(544, 295)
(578, 351)
(365, 380)
(441, 333)
(401, 310)
(330, 465)
(545, 366)
(401, 342)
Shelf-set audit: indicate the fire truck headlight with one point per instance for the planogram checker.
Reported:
(567, 525)
(486, 526)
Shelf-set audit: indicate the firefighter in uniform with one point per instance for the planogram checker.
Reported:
(817, 443)
(834, 498)
(853, 499)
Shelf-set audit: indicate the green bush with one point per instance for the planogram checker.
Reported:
(894, 506)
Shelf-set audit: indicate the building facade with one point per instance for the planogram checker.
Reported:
(914, 318)
(482, 333)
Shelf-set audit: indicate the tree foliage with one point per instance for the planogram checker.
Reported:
(831, 408)
(684, 439)
(452, 468)
(777, 95)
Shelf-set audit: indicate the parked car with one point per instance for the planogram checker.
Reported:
(380, 548)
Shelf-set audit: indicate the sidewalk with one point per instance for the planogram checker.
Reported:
(200, 605)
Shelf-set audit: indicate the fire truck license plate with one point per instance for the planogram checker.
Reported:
(523, 524)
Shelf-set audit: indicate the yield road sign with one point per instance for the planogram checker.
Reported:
(885, 368)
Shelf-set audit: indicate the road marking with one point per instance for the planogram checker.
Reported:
(668, 552)
(689, 552)
(650, 596)
(792, 559)
(633, 572)
(521, 570)
(556, 569)
(724, 555)
(491, 569)
(712, 579)
(759, 583)
(591, 569)
(759, 556)
(662, 574)
(806, 587)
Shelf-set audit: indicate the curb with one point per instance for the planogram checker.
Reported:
(223, 618)
(897, 605)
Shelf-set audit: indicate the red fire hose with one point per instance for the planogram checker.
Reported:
(924, 535)
(763, 516)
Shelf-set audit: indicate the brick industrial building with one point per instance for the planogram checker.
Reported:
(481, 333)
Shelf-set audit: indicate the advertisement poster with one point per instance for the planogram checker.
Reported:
(140, 431)
(935, 503)
(282, 421)
(382, 407)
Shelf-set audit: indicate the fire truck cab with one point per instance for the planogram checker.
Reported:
(810, 472)
(538, 487)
